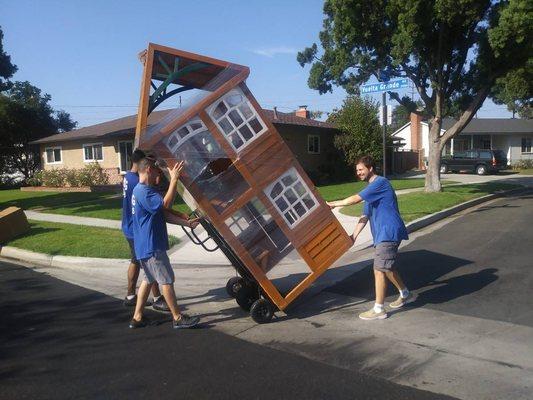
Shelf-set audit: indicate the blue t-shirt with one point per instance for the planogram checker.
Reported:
(149, 227)
(131, 179)
(381, 207)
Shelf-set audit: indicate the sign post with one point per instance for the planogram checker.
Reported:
(384, 87)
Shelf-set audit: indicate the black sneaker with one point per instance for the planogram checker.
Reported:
(130, 302)
(134, 324)
(161, 305)
(185, 322)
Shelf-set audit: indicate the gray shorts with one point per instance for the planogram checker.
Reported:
(385, 256)
(158, 269)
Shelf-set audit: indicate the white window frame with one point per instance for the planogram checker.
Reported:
(297, 218)
(53, 148)
(312, 137)
(530, 145)
(246, 121)
(180, 140)
(90, 145)
(122, 172)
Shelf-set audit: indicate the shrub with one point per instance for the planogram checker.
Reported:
(523, 164)
(92, 174)
(71, 177)
(36, 179)
(53, 178)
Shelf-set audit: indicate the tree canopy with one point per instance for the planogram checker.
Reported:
(7, 68)
(453, 51)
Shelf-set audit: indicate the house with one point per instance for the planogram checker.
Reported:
(513, 136)
(111, 143)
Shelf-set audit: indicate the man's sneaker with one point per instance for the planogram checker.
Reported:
(371, 314)
(161, 305)
(130, 302)
(185, 322)
(134, 324)
(401, 301)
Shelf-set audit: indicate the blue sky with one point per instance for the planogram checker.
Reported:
(84, 53)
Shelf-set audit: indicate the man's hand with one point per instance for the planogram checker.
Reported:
(330, 204)
(193, 223)
(175, 171)
(354, 238)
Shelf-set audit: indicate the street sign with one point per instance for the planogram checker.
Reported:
(385, 86)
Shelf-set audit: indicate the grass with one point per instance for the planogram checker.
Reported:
(418, 204)
(526, 171)
(343, 190)
(75, 240)
(107, 205)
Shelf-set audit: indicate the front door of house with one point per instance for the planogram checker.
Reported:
(125, 149)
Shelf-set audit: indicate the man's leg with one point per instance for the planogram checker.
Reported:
(396, 280)
(155, 290)
(381, 287)
(142, 296)
(133, 276)
(170, 297)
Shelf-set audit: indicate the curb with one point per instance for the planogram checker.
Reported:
(59, 261)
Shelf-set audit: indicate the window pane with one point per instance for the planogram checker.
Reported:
(300, 209)
(49, 156)
(98, 152)
(234, 100)
(195, 126)
(183, 132)
(288, 180)
(282, 204)
(245, 110)
(290, 196)
(226, 125)
(220, 110)
(276, 190)
(289, 217)
(172, 141)
(88, 153)
(246, 132)
(256, 125)
(308, 201)
(236, 141)
(57, 155)
(235, 118)
(299, 189)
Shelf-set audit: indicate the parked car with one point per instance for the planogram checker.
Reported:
(480, 161)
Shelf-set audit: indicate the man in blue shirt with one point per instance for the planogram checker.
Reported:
(388, 230)
(150, 213)
(131, 179)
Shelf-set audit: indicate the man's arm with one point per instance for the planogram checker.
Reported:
(178, 213)
(168, 200)
(176, 220)
(359, 227)
(348, 201)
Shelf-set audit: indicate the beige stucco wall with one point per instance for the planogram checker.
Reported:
(72, 153)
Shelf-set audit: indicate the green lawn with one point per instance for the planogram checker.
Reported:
(417, 204)
(75, 240)
(45, 200)
(342, 190)
(527, 171)
(106, 205)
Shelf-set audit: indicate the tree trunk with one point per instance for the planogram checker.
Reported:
(434, 154)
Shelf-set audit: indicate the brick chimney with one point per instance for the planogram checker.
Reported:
(416, 131)
(302, 112)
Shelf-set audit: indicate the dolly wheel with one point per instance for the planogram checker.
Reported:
(234, 285)
(262, 311)
(246, 296)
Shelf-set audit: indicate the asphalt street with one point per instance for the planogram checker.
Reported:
(62, 341)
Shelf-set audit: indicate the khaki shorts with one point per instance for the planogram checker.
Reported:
(158, 269)
(385, 256)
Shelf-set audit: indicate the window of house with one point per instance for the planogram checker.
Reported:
(53, 155)
(291, 197)
(93, 152)
(125, 149)
(237, 119)
(526, 145)
(313, 144)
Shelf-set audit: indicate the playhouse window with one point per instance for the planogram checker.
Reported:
(237, 119)
(206, 165)
(291, 197)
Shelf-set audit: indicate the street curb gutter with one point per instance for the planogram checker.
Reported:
(92, 262)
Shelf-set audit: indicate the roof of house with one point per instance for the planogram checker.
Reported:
(494, 126)
(126, 125)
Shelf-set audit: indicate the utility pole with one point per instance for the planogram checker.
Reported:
(384, 132)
